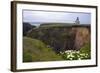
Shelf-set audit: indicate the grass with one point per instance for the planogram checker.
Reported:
(36, 50)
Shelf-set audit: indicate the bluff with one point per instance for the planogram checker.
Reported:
(26, 27)
(62, 38)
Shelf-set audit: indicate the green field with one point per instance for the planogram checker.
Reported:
(36, 50)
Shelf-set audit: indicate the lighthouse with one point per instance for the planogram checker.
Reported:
(77, 22)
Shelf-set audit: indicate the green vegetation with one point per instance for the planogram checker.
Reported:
(36, 50)
(83, 53)
(56, 41)
(86, 50)
(56, 25)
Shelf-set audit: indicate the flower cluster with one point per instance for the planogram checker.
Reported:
(74, 55)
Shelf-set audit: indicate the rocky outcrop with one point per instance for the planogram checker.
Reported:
(26, 27)
(79, 37)
(82, 37)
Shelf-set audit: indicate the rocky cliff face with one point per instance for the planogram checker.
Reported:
(79, 37)
(82, 37)
(64, 38)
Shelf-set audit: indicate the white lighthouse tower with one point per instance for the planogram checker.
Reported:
(77, 22)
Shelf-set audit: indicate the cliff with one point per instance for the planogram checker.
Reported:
(62, 38)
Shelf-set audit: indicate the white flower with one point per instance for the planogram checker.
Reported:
(61, 52)
(82, 54)
(79, 58)
(71, 58)
(78, 52)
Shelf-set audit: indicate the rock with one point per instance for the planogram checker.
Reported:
(82, 37)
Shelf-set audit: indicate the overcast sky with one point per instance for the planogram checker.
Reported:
(58, 17)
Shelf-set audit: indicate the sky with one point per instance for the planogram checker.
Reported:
(37, 17)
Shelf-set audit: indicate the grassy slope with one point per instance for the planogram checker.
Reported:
(36, 50)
